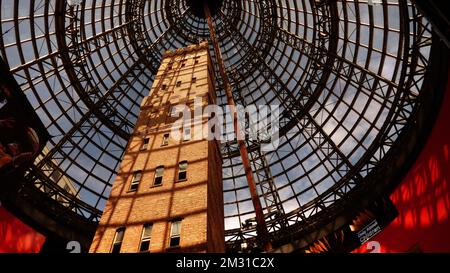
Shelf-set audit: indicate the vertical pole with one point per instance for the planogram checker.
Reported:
(261, 227)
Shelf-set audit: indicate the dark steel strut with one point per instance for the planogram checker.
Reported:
(261, 227)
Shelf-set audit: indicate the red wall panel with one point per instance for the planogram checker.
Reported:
(16, 236)
(423, 198)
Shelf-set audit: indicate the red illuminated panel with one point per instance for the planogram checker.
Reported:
(17, 237)
(423, 198)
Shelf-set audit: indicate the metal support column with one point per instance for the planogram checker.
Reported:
(261, 227)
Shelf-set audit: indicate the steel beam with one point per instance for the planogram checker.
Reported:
(261, 227)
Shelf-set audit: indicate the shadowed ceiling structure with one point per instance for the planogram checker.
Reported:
(351, 79)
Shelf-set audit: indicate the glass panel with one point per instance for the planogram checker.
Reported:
(145, 245)
(116, 248)
(137, 176)
(159, 171)
(147, 231)
(183, 165)
(165, 139)
(119, 235)
(175, 241)
(176, 228)
(158, 181)
(145, 143)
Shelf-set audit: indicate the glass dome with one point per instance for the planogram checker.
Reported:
(348, 77)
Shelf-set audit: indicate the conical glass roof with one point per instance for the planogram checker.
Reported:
(347, 76)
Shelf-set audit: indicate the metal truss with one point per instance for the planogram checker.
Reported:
(75, 58)
(273, 208)
(99, 108)
(403, 101)
(318, 58)
(310, 127)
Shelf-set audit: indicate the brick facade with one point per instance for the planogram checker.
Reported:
(184, 74)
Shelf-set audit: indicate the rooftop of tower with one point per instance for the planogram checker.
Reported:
(189, 48)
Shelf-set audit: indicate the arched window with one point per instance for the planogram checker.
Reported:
(145, 143)
(145, 238)
(182, 170)
(165, 141)
(135, 180)
(118, 239)
(175, 233)
(159, 172)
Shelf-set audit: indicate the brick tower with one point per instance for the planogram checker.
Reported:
(167, 196)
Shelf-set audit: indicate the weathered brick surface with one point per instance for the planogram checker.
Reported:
(198, 200)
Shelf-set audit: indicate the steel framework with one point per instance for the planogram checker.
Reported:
(352, 80)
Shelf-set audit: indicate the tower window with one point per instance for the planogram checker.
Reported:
(169, 66)
(135, 181)
(187, 134)
(118, 238)
(145, 143)
(183, 63)
(175, 234)
(194, 80)
(196, 60)
(178, 83)
(182, 170)
(165, 141)
(159, 172)
(164, 87)
(145, 238)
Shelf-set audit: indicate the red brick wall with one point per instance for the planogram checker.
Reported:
(215, 201)
(197, 201)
